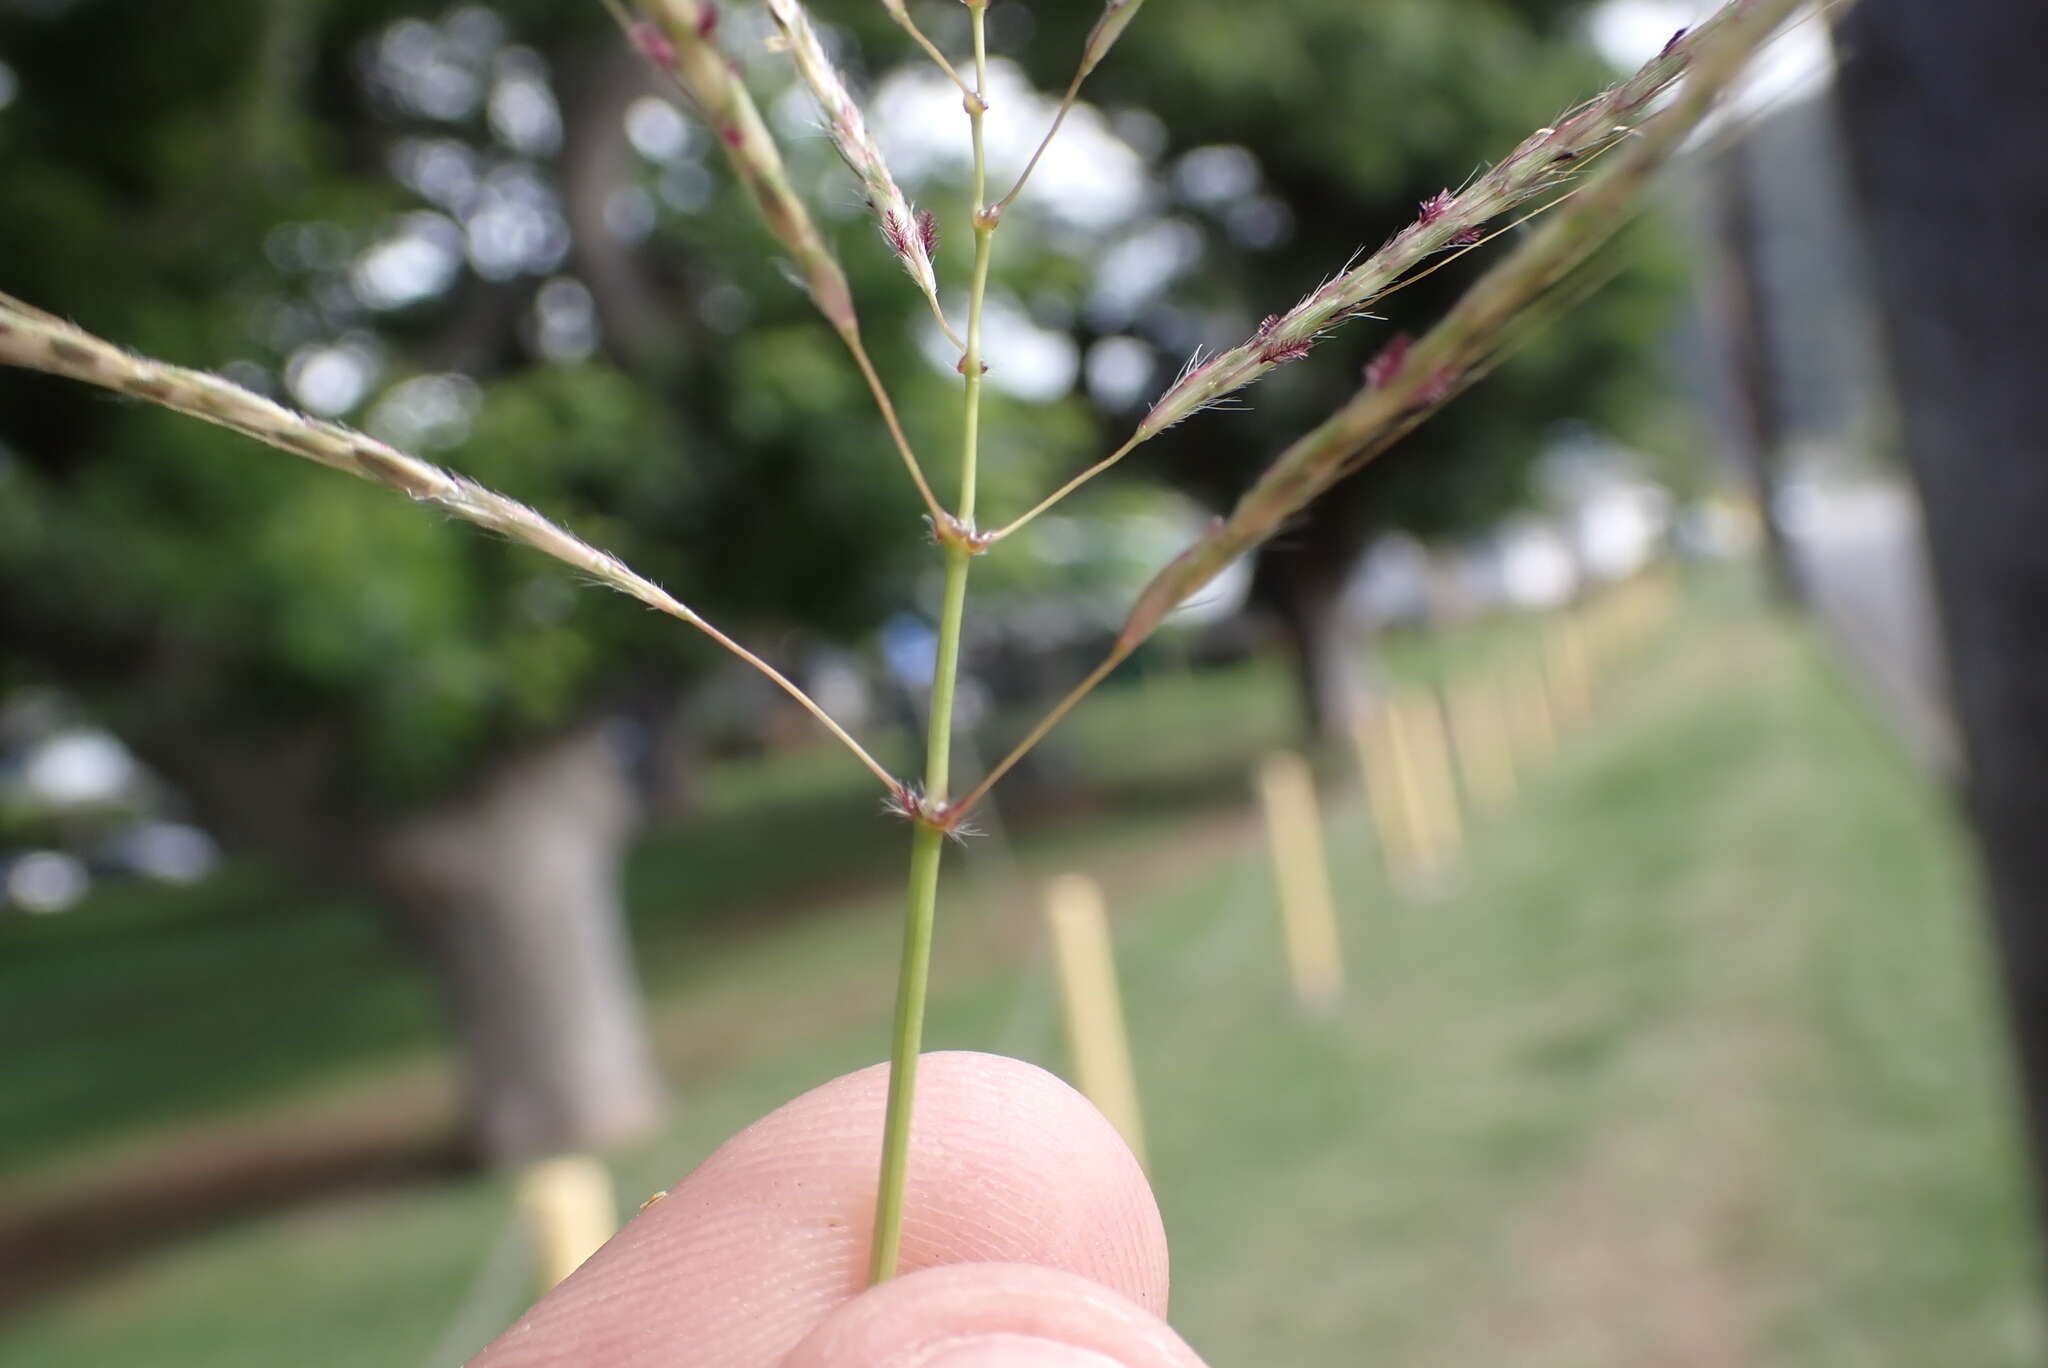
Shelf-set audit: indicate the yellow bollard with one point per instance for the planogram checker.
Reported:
(1302, 876)
(1406, 766)
(1390, 792)
(570, 1211)
(1535, 732)
(1479, 737)
(1382, 797)
(1429, 757)
(1564, 661)
(1096, 1038)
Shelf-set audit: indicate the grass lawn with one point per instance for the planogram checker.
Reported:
(1691, 1063)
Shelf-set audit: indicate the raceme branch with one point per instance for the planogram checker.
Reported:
(40, 341)
(1408, 384)
(1448, 221)
(682, 39)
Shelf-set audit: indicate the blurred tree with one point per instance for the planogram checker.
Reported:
(1296, 135)
(443, 228)
(1945, 112)
(472, 230)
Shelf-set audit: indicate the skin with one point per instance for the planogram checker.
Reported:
(1032, 1241)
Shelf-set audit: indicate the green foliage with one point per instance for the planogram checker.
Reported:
(204, 187)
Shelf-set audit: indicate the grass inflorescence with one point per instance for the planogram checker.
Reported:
(1642, 122)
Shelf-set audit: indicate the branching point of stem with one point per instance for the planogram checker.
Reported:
(949, 531)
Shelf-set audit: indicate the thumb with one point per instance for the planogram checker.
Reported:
(991, 1315)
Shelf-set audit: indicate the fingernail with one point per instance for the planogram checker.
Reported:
(1010, 1351)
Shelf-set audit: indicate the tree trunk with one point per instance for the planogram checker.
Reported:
(513, 891)
(1740, 314)
(1305, 595)
(1946, 117)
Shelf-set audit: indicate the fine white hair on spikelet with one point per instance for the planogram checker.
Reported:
(910, 235)
(1447, 220)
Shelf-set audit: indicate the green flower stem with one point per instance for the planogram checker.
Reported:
(925, 849)
(928, 844)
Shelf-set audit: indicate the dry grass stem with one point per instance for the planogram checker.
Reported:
(40, 341)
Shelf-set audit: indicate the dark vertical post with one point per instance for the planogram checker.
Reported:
(1945, 108)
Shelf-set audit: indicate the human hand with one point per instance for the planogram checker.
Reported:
(1030, 1240)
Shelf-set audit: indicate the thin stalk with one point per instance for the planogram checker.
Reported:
(913, 976)
(928, 843)
(1117, 656)
(1069, 487)
(1116, 17)
(880, 392)
(804, 701)
(1066, 108)
(971, 364)
(901, 15)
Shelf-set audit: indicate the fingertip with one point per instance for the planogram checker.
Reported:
(769, 1234)
(1013, 1351)
(1011, 1164)
(992, 1316)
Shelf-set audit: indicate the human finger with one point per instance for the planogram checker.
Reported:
(751, 1250)
(992, 1316)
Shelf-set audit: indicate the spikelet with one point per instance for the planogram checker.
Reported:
(1116, 17)
(1409, 382)
(1546, 159)
(39, 341)
(909, 235)
(690, 52)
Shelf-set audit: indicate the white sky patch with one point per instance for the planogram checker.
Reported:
(429, 412)
(1136, 271)
(1216, 175)
(1120, 371)
(1090, 178)
(46, 881)
(1220, 598)
(330, 379)
(417, 262)
(1797, 63)
(1037, 365)
(75, 768)
(1536, 565)
(656, 129)
(522, 108)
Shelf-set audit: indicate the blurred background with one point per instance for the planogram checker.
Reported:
(350, 860)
